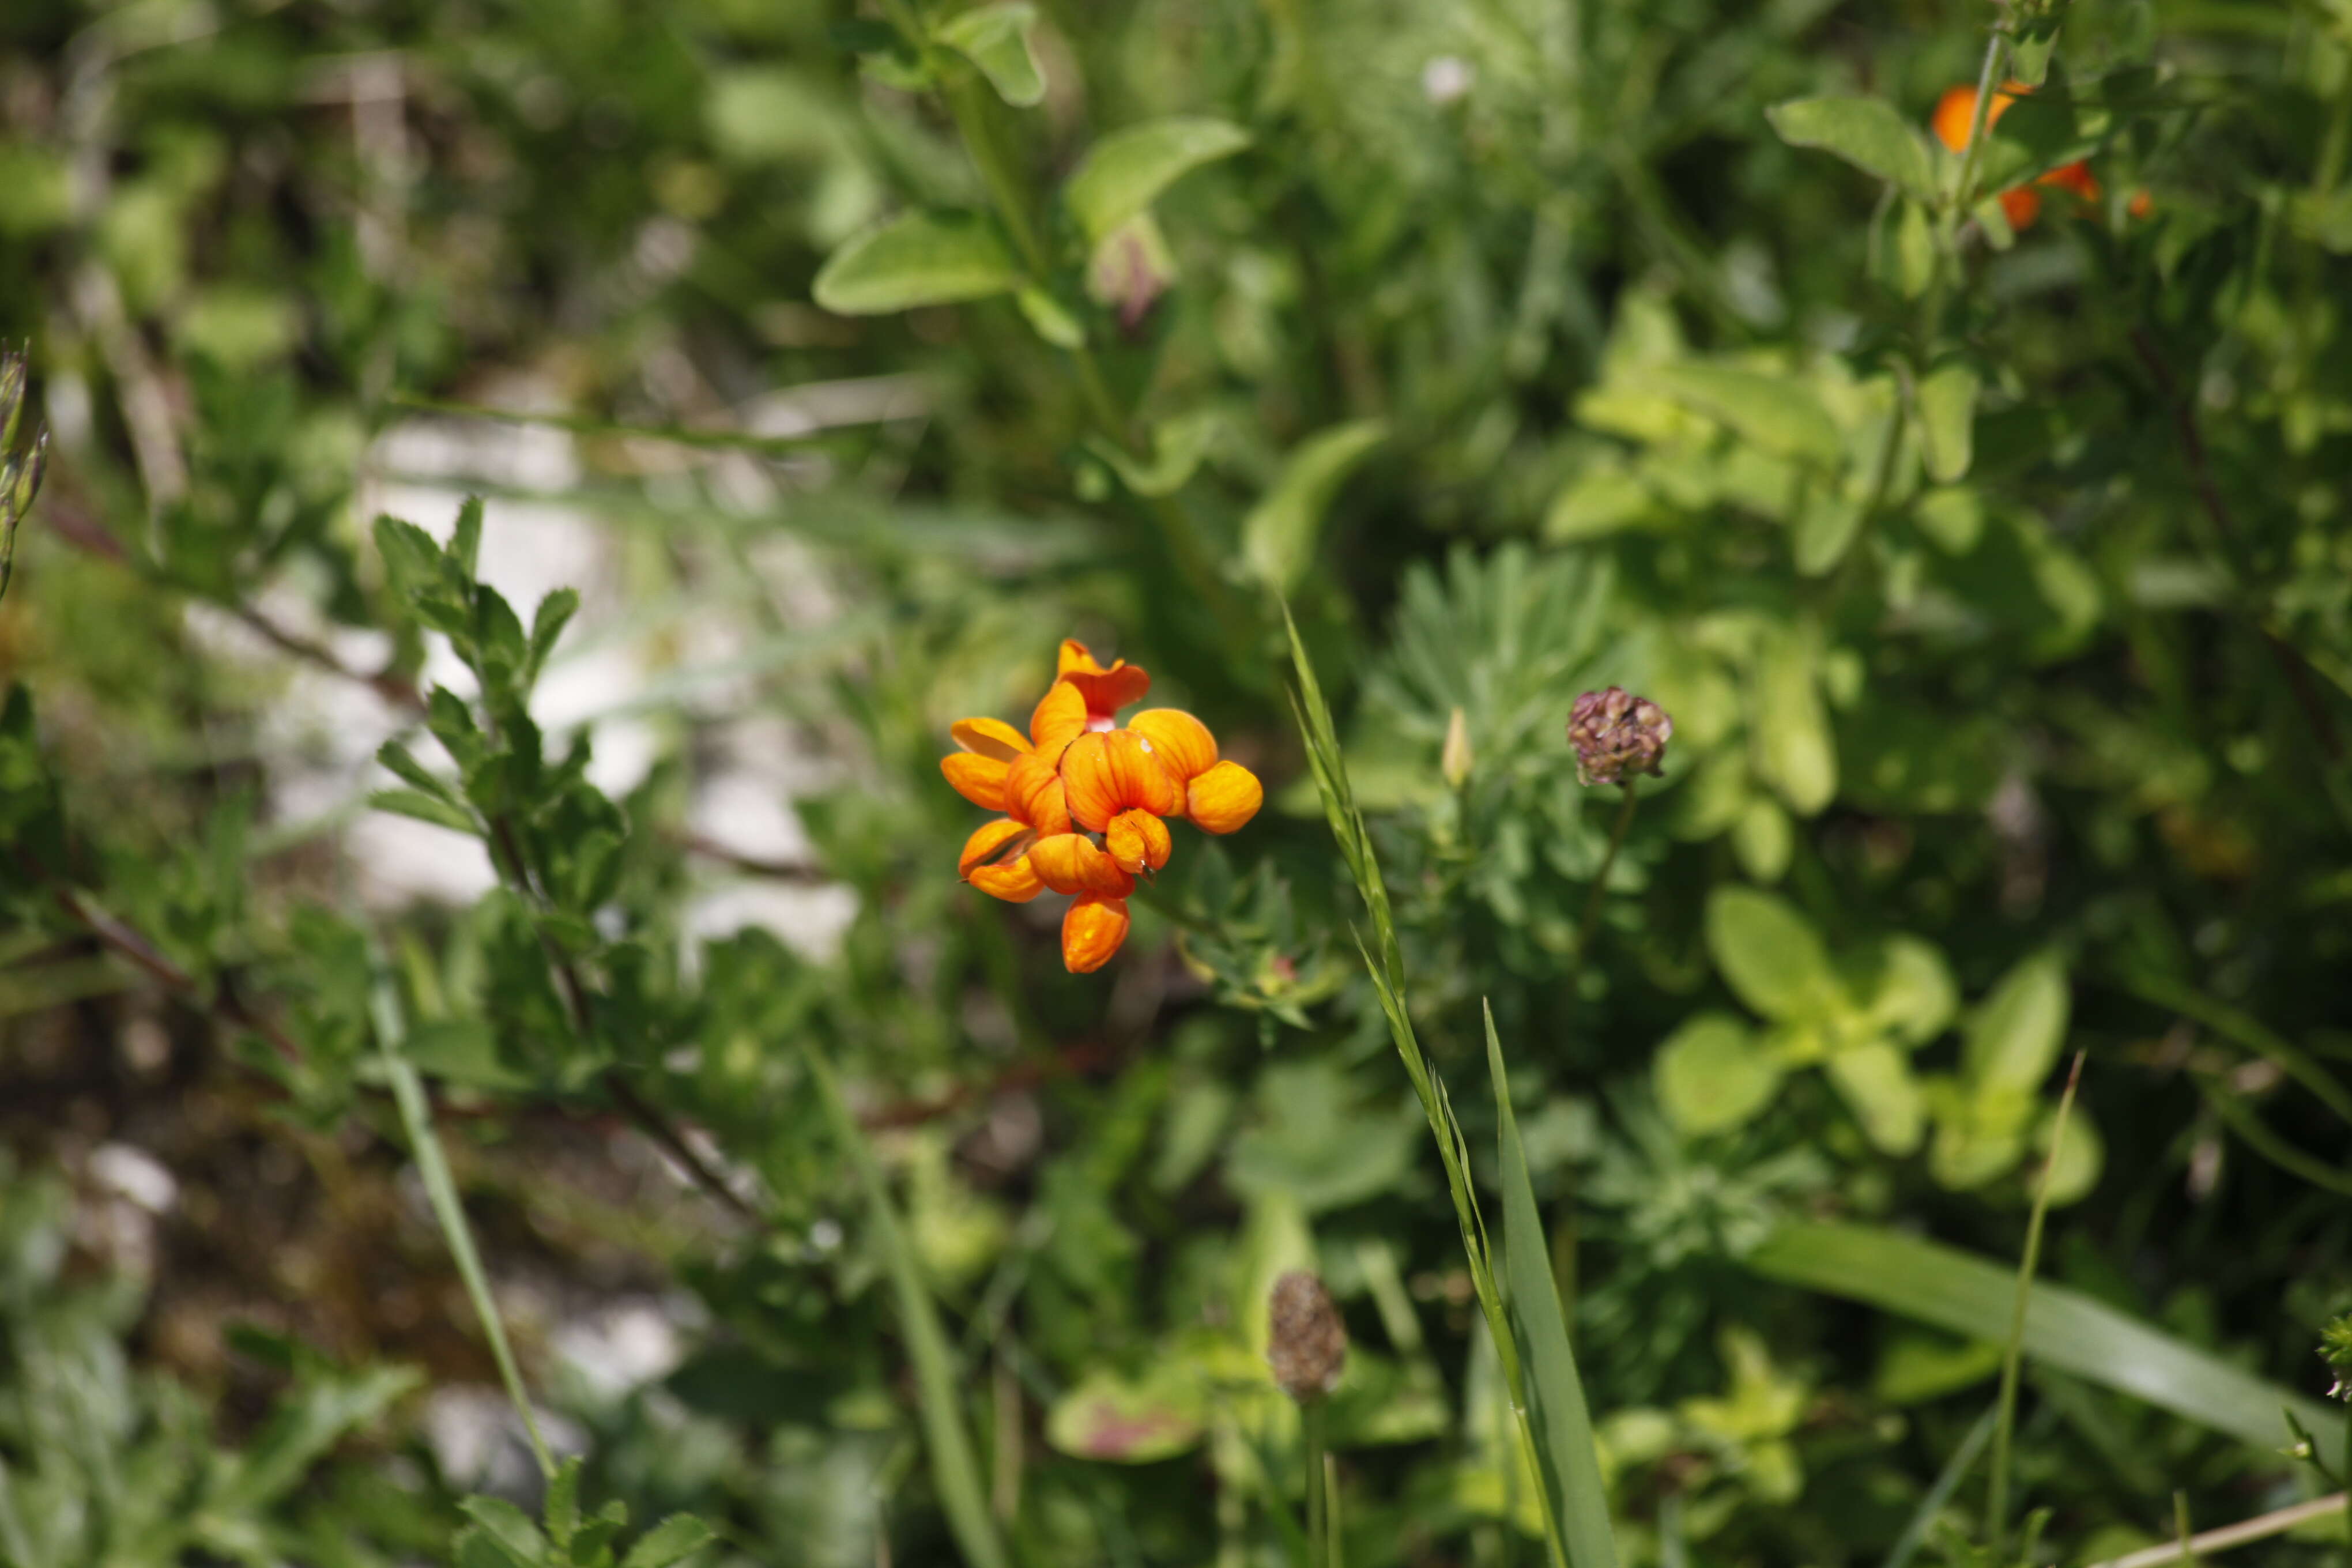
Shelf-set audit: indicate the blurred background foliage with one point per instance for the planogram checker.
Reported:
(1998, 584)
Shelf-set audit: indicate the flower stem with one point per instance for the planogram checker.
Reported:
(1585, 927)
(1310, 1420)
(2005, 1422)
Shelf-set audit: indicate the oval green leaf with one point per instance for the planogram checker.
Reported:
(996, 39)
(916, 259)
(1279, 535)
(1770, 956)
(1126, 171)
(1712, 1078)
(1867, 133)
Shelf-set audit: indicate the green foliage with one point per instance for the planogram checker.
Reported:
(1976, 513)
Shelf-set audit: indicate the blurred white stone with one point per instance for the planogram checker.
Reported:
(621, 1348)
(135, 1174)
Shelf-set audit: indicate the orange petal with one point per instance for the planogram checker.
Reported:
(1032, 789)
(1958, 107)
(1061, 715)
(1182, 742)
(1091, 934)
(979, 780)
(989, 738)
(1015, 883)
(1111, 689)
(988, 844)
(1075, 656)
(2077, 177)
(1136, 841)
(1223, 798)
(1106, 772)
(2021, 207)
(2140, 205)
(1069, 863)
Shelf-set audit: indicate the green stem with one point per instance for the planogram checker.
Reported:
(441, 1191)
(1972, 152)
(1592, 920)
(1310, 1420)
(2005, 1423)
(955, 1465)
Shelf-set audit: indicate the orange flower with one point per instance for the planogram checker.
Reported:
(2020, 205)
(1082, 798)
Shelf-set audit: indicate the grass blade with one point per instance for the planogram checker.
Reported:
(955, 1465)
(1952, 1289)
(441, 1191)
(1956, 1470)
(2005, 1426)
(1563, 1427)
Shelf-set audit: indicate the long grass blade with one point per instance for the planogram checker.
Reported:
(955, 1463)
(441, 1191)
(2013, 1360)
(1567, 1460)
(1952, 1290)
(1956, 1470)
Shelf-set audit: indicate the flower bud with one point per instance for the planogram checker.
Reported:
(1616, 735)
(1455, 762)
(1309, 1344)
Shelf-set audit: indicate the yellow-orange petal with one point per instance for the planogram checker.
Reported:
(1136, 841)
(979, 780)
(1107, 692)
(1061, 715)
(1032, 789)
(1015, 882)
(989, 738)
(2077, 177)
(1107, 772)
(1069, 863)
(1075, 656)
(1224, 798)
(1091, 933)
(1957, 108)
(2021, 207)
(989, 843)
(2140, 205)
(1182, 742)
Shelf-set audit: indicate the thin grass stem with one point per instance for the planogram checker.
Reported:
(1593, 900)
(2012, 1358)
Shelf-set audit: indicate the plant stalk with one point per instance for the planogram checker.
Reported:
(2005, 1423)
(1591, 921)
(1311, 1417)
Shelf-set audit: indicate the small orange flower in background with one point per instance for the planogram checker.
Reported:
(2022, 203)
(1084, 797)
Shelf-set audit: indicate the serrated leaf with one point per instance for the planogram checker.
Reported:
(402, 763)
(508, 1525)
(928, 257)
(1712, 1076)
(1770, 955)
(410, 555)
(1946, 399)
(547, 623)
(478, 1548)
(1279, 536)
(1867, 133)
(466, 539)
(1126, 171)
(996, 39)
(673, 1540)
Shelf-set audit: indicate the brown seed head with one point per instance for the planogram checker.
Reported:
(1309, 1344)
(1616, 735)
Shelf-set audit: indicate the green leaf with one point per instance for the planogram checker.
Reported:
(2013, 1040)
(1050, 320)
(1131, 1421)
(1867, 133)
(1796, 752)
(1566, 1456)
(1971, 1296)
(478, 1548)
(1823, 531)
(1948, 414)
(1770, 956)
(1178, 445)
(1782, 414)
(1126, 171)
(435, 809)
(1712, 1078)
(1906, 988)
(508, 1525)
(1876, 1082)
(1279, 535)
(410, 555)
(931, 257)
(561, 1510)
(1915, 250)
(674, 1540)
(466, 539)
(547, 623)
(307, 1422)
(996, 39)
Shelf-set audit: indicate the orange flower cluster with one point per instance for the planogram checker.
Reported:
(1084, 797)
(2022, 203)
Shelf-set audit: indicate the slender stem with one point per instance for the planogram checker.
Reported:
(2004, 1425)
(1335, 1552)
(2262, 1527)
(1981, 114)
(1585, 927)
(1310, 1421)
(2185, 1542)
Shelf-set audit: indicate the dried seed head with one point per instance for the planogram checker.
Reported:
(1309, 1344)
(1616, 735)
